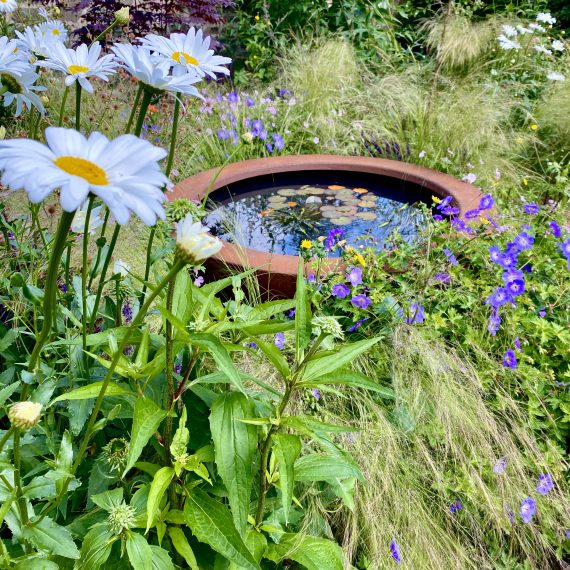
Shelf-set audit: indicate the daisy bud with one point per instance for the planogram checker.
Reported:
(24, 415)
(122, 16)
(193, 241)
(247, 137)
(45, 100)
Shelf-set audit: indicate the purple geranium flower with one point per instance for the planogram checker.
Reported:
(252, 345)
(494, 322)
(486, 202)
(223, 134)
(395, 551)
(565, 248)
(507, 260)
(316, 394)
(278, 141)
(269, 147)
(510, 359)
(291, 314)
(444, 203)
(545, 484)
(279, 340)
(357, 324)
(515, 287)
(500, 466)
(361, 301)
(454, 507)
(499, 297)
(528, 509)
(451, 211)
(555, 229)
(459, 225)
(531, 208)
(438, 217)
(417, 314)
(524, 241)
(249, 101)
(450, 257)
(355, 276)
(517, 343)
(472, 214)
(340, 291)
(442, 277)
(257, 127)
(495, 254)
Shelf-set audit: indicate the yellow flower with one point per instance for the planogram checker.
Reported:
(519, 140)
(525, 181)
(534, 127)
(484, 221)
(257, 17)
(349, 249)
(358, 257)
(24, 415)
(435, 199)
(306, 244)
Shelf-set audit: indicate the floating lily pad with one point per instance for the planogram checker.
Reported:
(366, 215)
(287, 192)
(360, 190)
(367, 204)
(336, 187)
(315, 191)
(330, 214)
(279, 205)
(276, 198)
(342, 221)
(313, 200)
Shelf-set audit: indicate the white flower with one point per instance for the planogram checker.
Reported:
(422, 154)
(557, 45)
(189, 52)
(470, 178)
(10, 60)
(497, 174)
(7, 6)
(20, 88)
(80, 64)
(509, 31)
(155, 73)
(121, 267)
(536, 27)
(545, 18)
(316, 140)
(95, 219)
(123, 172)
(24, 415)
(43, 13)
(53, 30)
(36, 44)
(194, 242)
(555, 76)
(522, 30)
(507, 44)
(541, 49)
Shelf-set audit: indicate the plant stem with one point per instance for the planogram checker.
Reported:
(5, 438)
(21, 501)
(62, 107)
(67, 267)
(169, 391)
(146, 97)
(99, 248)
(49, 305)
(77, 106)
(177, 266)
(104, 32)
(134, 108)
(84, 284)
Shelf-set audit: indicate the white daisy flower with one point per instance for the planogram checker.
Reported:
(53, 30)
(95, 219)
(555, 76)
(509, 31)
(536, 27)
(10, 59)
(545, 18)
(34, 43)
(123, 172)
(188, 52)
(541, 49)
(7, 6)
(20, 88)
(43, 13)
(155, 73)
(557, 45)
(194, 241)
(80, 64)
(508, 44)
(522, 30)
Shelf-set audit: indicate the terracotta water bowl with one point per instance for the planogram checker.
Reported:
(276, 273)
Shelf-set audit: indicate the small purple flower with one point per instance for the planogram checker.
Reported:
(512, 274)
(291, 314)
(284, 92)
(223, 134)
(450, 257)
(507, 260)
(528, 509)
(444, 203)
(486, 202)
(515, 287)
(568, 534)
(459, 225)
(494, 322)
(555, 229)
(361, 301)
(517, 343)
(62, 286)
(510, 359)
(311, 278)
(127, 312)
(472, 214)
(340, 291)
(545, 484)
(316, 394)
(199, 281)
(524, 241)
(269, 147)
(357, 324)
(470, 178)
(417, 314)
(442, 277)
(278, 141)
(257, 127)
(263, 135)
(279, 340)
(252, 345)
(355, 276)
(500, 466)
(178, 368)
(438, 217)
(565, 248)
(249, 101)
(450, 211)
(495, 254)
(233, 97)
(395, 551)
(454, 507)
(499, 297)
(542, 313)
(531, 208)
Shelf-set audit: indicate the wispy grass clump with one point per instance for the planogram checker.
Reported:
(438, 445)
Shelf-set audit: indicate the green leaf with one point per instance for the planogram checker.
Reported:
(328, 364)
(350, 378)
(36, 563)
(139, 551)
(264, 311)
(302, 314)
(109, 499)
(5, 393)
(96, 547)
(182, 299)
(274, 356)
(180, 440)
(257, 545)
(180, 543)
(40, 487)
(310, 551)
(287, 448)
(48, 535)
(325, 467)
(307, 425)
(92, 391)
(160, 559)
(159, 484)
(147, 416)
(212, 523)
(235, 445)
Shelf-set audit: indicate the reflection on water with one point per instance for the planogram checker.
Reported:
(277, 219)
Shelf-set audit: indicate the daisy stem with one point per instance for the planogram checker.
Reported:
(77, 106)
(67, 267)
(169, 392)
(49, 305)
(100, 245)
(133, 110)
(62, 107)
(137, 321)
(109, 28)
(146, 98)
(175, 118)
(84, 283)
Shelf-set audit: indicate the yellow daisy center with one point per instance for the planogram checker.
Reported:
(84, 168)
(77, 69)
(55, 32)
(183, 57)
(3, 1)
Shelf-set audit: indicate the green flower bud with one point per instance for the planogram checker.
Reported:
(24, 415)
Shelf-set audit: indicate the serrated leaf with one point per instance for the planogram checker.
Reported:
(96, 547)
(160, 559)
(40, 487)
(235, 445)
(310, 551)
(302, 314)
(92, 391)
(325, 467)
(109, 499)
(48, 535)
(181, 545)
(180, 440)
(212, 523)
(287, 448)
(147, 416)
(5, 393)
(138, 551)
(159, 484)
